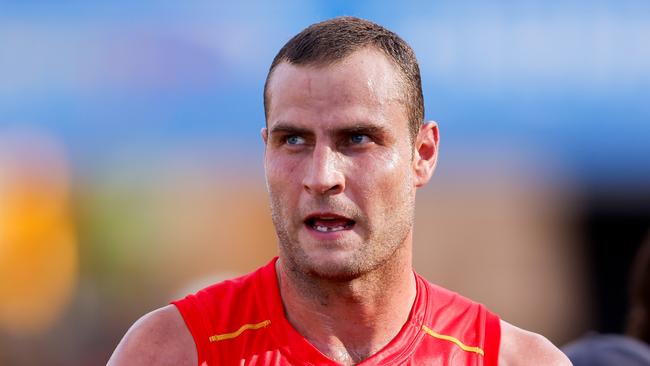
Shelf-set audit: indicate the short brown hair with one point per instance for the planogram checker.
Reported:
(333, 40)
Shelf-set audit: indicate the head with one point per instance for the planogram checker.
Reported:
(345, 148)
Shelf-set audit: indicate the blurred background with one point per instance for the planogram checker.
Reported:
(131, 164)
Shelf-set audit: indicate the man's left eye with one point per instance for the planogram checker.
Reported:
(359, 139)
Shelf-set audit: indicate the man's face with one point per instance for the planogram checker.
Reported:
(339, 165)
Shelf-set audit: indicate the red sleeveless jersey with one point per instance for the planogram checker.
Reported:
(241, 322)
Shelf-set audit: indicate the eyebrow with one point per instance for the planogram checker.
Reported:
(359, 128)
(365, 129)
(282, 127)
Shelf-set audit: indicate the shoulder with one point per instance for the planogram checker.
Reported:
(158, 338)
(521, 347)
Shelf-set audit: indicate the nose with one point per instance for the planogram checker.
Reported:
(324, 176)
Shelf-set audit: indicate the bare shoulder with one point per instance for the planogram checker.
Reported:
(521, 347)
(158, 338)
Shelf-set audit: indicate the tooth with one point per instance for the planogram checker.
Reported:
(325, 229)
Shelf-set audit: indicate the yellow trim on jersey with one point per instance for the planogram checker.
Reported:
(235, 334)
(453, 340)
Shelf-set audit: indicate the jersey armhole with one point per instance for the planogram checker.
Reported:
(191, 312)
(492, 339)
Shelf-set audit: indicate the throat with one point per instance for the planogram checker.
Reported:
(321, 311)
(346, 356)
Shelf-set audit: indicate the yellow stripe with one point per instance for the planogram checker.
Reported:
(235, 334)
(453, 340)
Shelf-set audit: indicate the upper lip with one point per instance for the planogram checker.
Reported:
(326, 215)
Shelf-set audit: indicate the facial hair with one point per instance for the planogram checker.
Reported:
(383, 238)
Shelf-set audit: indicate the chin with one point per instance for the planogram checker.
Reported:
(338, 261)
(339, 267)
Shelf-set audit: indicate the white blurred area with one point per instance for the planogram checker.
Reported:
(543, 48)
(576, 45)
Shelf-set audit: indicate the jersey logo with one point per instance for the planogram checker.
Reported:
(238, 332)
(457, 342)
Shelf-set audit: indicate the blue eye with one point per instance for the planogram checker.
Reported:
(295, 140)
(359, 139)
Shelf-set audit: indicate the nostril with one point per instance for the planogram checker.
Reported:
(323, 184)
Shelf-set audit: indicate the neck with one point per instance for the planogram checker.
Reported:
(349, 321)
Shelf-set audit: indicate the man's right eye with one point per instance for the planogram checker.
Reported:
(294, 140)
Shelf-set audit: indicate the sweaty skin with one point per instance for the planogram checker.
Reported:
(342, 173)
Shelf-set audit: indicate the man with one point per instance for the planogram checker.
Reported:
(346, 148)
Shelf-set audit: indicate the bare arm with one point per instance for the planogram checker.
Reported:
(158, 338)
(521, 347)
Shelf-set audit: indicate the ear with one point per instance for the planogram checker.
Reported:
(265, 135)
(426, 153)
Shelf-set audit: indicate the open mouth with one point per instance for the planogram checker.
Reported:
(327, 223)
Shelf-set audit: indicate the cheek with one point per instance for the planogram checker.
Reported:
(395, 179)
(282, 173)
(384, 178)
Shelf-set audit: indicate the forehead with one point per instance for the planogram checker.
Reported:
(363, 84)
